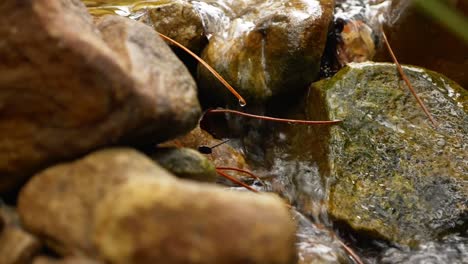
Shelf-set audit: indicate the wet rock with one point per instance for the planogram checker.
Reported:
(266, 48)
(64, 92)
(394, 176)
(16, 245)
(222, 156)
(58, 203)
(166, 85)
(318, 245)
(419, 39)
(178, 20)
(450, 250)
(68, 260)
(186, 163)
(355, 34)
(164, 221)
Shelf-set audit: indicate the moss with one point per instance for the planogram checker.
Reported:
(394, 175)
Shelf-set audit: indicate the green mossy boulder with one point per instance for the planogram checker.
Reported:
(394, 175)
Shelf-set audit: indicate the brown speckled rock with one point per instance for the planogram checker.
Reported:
(58, 203)
(64, 91)
(165, 221)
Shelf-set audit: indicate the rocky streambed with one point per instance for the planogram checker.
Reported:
(109, 155)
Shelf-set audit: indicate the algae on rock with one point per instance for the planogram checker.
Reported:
(394, 175)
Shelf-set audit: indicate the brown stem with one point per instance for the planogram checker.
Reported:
(208, 67)
(293, 121)
(235, 180)
(351, 252)
(240, 170)
(405, 78)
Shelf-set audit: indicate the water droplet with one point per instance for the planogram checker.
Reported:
(242, 102)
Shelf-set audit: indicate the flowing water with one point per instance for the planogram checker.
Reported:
(293, 159)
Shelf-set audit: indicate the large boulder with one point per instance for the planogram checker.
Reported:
(58, 203)
(394, 175)
(117, 206)
(267, 48)
(64, 91)
(169, 222)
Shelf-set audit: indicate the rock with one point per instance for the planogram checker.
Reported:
(452, 249)
(167, 88)
(58, 204)
(64, 92)
(68, 260)
(8, 216)
(419, 39)
(16, 245)
(267, 48)
(222, 156)
(394, 176)
(318, 245)
(355, 34)
(178, 20)
(69, 206)
(164, 221)
(186, 163)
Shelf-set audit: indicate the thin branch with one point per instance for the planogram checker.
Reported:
(405, 78)
(240, 170)
(351, 252)
(242, 101)
(274, 119)
(235, 180)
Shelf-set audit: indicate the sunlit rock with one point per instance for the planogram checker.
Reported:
(165, 221)
(58, 203)
(64, 91)
(267, 48)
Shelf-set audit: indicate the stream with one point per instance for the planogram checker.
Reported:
(293, 159)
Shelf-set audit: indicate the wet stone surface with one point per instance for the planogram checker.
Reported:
(267, 48)
(186, 163)
(65, 92)
(394, 176)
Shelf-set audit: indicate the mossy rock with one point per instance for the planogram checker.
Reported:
(394, 175)
(186, 163)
